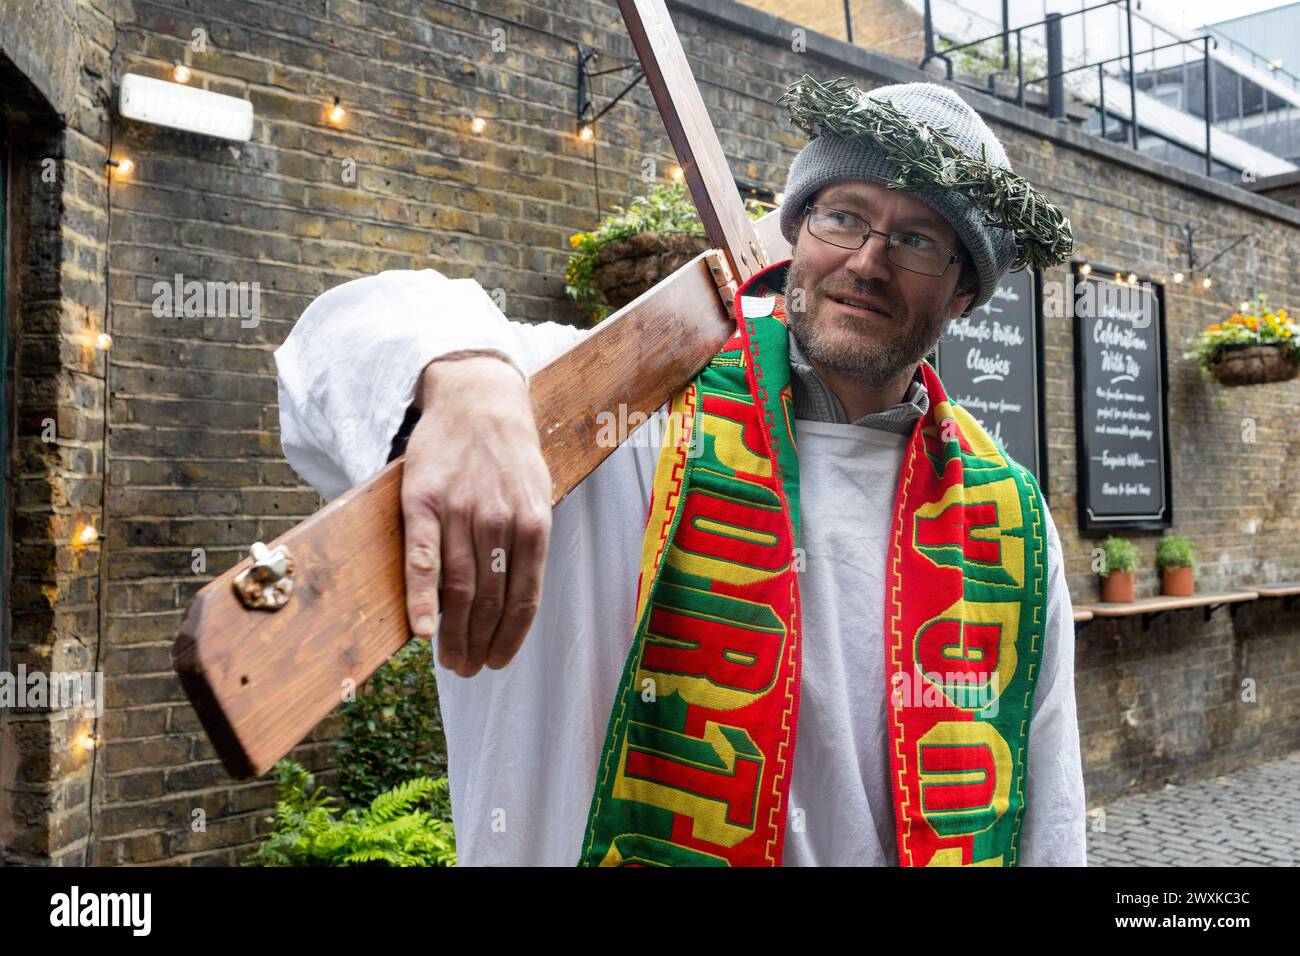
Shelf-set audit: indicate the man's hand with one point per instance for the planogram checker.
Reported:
(476, 501)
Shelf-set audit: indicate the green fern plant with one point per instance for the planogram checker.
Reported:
(407, 825)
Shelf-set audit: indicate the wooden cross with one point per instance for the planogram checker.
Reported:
(261, 680)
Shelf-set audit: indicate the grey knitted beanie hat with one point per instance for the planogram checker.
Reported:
(829, 158)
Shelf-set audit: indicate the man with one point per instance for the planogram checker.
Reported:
(599, 732)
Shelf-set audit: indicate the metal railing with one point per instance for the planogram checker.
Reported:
(1056, 72)
(1278, 72)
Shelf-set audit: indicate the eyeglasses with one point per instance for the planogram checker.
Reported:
(907, 251)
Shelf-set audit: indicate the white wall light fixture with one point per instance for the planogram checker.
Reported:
(162, 103)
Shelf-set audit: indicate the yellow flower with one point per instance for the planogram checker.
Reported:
(575, 240)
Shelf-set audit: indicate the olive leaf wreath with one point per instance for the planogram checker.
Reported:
(927, 159)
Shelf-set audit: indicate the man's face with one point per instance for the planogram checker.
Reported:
(872, 347)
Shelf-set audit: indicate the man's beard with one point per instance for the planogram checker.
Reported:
(871, 360)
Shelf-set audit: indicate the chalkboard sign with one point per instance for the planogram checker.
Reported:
(991, 364)
(1122, 414)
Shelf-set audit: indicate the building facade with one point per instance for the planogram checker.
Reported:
(141, 442)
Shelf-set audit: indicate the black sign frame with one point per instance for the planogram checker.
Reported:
(1090, 520)
(1040, 472)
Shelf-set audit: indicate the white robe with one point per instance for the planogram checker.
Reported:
(523, 742)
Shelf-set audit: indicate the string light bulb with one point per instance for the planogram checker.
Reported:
(478, 124)
(89, 741)
(1085, 269)
(779, 198)
(121, 167)
(1244, 306)
(180, 72)
(88, 536)
(104, 341)
(586, 134)
(337, 113)
(1132, 278)
(676, 173)
(1178, 277)
(1206, 282)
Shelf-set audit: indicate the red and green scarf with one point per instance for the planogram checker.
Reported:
(696, 766)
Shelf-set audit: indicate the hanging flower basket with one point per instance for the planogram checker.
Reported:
(1254, 364)
(1254, 346)
(635, 248)
(628, 267)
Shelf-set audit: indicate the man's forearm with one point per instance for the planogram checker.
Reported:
(429, 374)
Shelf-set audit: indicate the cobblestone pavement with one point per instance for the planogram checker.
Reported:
(1248, 818)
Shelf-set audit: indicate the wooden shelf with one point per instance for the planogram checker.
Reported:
(1152, 607)
(1288, 591)
(1280, 589)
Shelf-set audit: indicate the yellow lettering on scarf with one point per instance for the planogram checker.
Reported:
(721, 801)
(1004, 495)
(951, 856)
(981, 443)
(965, 773)
(715, 662)
(961, 635)
(713, 528)
(729, 446)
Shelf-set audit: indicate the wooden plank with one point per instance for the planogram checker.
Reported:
(1279, 589)
(620, 370)
(769, 234)
(1161, 603)
(260, 681)
(705, 167)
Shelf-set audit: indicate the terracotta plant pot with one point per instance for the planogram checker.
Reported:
(1253, 364)
(625, 268)
(1178, 582)
(1117, 587)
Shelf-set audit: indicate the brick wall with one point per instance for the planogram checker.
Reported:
(192, 442)
(1284, 188)
(54, 68)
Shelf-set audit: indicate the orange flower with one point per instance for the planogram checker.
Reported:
(1216, 327)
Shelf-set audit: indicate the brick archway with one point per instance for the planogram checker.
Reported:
(54, 230)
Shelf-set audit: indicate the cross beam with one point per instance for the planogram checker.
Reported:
(261, 680)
